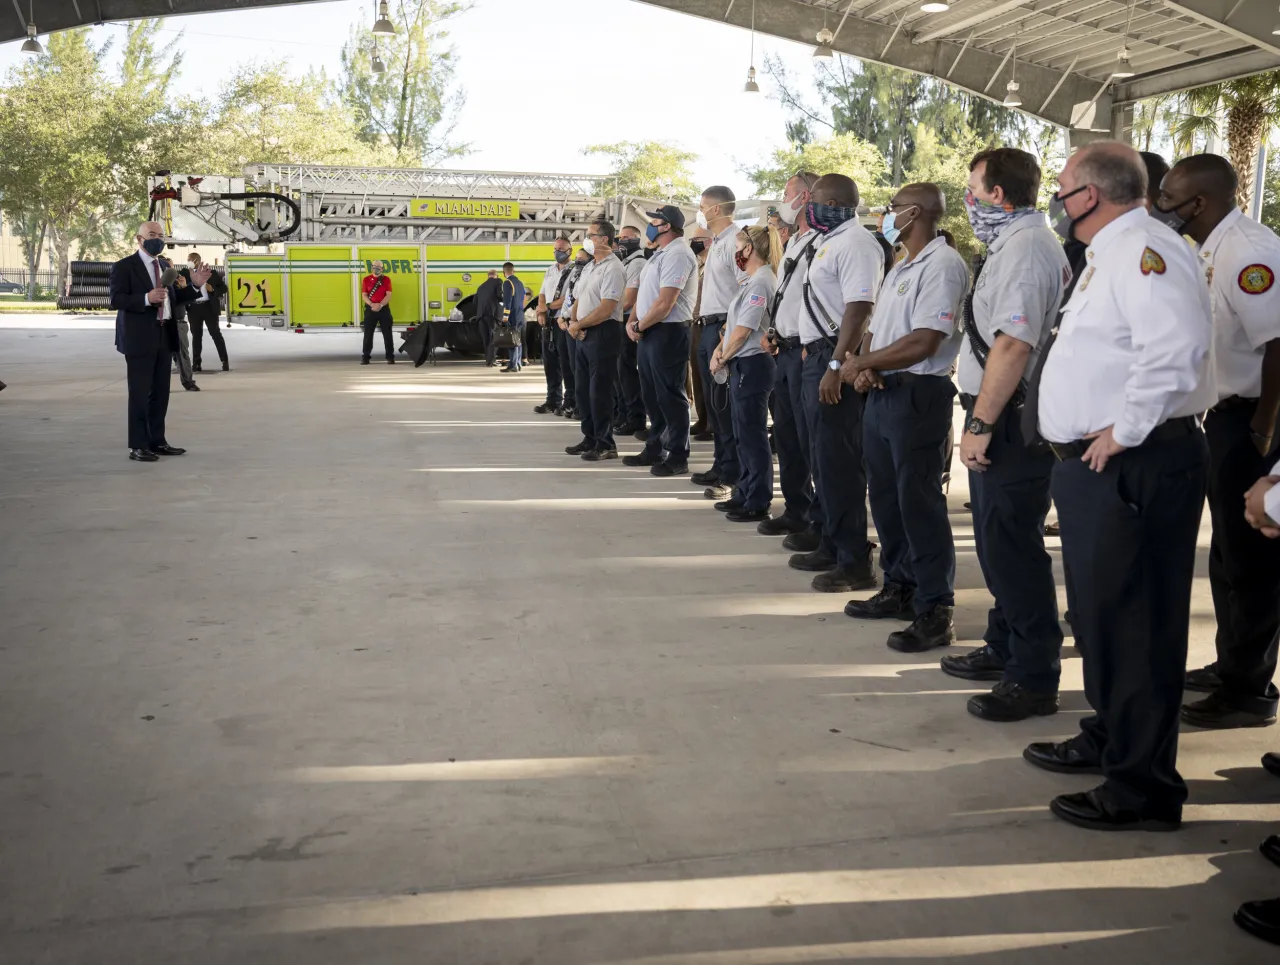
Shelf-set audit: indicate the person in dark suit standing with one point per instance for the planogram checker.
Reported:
(205, 312)
(513, 299)
(147, 336)
(489, 312)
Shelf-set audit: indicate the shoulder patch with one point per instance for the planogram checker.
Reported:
(757, 300)
(1151, 261)
(1256, 279)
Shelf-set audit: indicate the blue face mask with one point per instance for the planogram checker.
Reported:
(826, 218)
(653, 231)
(891, 231)
(562, 256)
(153, 246)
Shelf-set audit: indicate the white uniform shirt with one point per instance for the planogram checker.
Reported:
(1018, 293)
(634, 266)
(750, 310)
(204, 295)
(565, 310)
(675, 266)
(1240, 260)
(926, 292)
(152, 265)
(721, 278)
(600, 281)
(1134, 346)
(847, 267)
(551, 280)
(787, 319)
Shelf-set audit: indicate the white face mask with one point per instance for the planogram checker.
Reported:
(589, 246)
(702, 219)
(791, 213)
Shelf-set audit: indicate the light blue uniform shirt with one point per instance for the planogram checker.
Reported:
(926, 292)
(750, 310)
(675, 266)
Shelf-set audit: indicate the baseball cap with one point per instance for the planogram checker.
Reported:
(670, 214)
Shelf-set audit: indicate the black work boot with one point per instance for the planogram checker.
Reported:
(891, 603)
(814, 562)
(783, 525)
(805, 542)
(929, 630)
(981, 664)
(1009, 701)
(844, 579)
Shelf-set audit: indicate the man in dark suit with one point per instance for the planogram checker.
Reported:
(205, 313)
(147, 336)
(489, 313)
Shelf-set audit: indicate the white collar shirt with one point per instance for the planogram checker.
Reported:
(925, 292)
(847, 267)
(551, 279)
(153, 265)
(721, 279)
(674, 266)
(786, 320)
(1134, 348)
(600, 281)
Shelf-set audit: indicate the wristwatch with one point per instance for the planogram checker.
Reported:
(976, 427)
(834, 365)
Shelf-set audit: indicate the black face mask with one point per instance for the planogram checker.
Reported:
(1062, 222)
(1170, 216)
(629, 246)
(698, 246)
(649, 253)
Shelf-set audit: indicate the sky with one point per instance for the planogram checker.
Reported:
(679, 78)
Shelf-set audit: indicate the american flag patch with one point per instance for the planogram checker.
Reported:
(1018, 318)
(864, 291)
(756, 301)
(946, 316)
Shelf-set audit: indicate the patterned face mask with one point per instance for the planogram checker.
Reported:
(988, 220)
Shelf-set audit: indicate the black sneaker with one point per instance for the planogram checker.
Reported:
(1009, 701)
(579, 449)
(783, 525)
(816, 561)
(747, 515)
(571, 413)
(981, 664)
(600, 455)
(1205, 680)
(845, 579)
(708, 478)
(891, 603)
(806, 542)
(364, 361)
(702, 437)
(644, 458)
(670, 469)
(545, 408)
(728, 506)
(929, 630)
(718, 491)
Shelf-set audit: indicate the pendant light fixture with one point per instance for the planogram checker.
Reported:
(377, 66)
(823, 51)
(935, 6)
(1123, 69)
(1011, 98)
(751, 87)
(383, 27)
(31, 45)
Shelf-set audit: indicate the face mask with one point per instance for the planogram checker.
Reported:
(562, 256)
(987, 219)
(649, 253)
(153, 246)
(653, 231)
(740, 258)
(1171, 217)
(629, 245)
(580, 260)
(589, 246)
(791, 212)
(891, 230)
(1063, 223)
(826, 218)
(698, 246)
(702, 219)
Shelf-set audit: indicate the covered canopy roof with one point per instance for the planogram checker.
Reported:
(1066, 50)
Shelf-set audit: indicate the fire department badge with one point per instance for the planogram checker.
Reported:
(1151, 261)
(902, 289)
(1256, 279)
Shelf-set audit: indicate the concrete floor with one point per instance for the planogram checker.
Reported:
(376, 674)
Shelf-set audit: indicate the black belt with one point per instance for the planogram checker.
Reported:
(818, 343)
(1234, 402)
(719, 319)
(967, 401)
(789, 342)
(1173, 429)
(897, 379)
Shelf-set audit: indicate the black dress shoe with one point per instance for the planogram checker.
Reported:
(707, 478)
(143, 455)
(816, 561)
(846, 579)
(1052, 529)
(1205, 680)
(645, 458)
(1086, 809)
(641, 435)
(600, 455)
(167, 450)
(364, 361)
(783, 525)
(1260, 919)
(928, 631)
(1270, 849)
(1009, 701)
(226, 366)
(718, 491)
(669, 469)
(980, 664)
(196, 368)
(544, 408)
(191, 387)
(806, 542)
(579, 449)
(703, 437)
(893, 602)
(1061, 758)
(1271, 763)
(1218, 712)
(728, 506)
(572, 415)
(747, 515)
(390, 362)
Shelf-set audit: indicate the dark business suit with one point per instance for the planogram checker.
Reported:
(147, 346)
(207, 314)
(488, 313)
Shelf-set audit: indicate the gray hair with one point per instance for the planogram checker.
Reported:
(1115, 169)
(807, 178)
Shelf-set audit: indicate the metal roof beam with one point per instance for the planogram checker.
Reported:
(1251, 23)
(970, 21)
(1208, 70)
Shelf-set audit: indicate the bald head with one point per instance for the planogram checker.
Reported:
(1196, 194)
(837, 190)
(1115, 169)
(1208, 174)
(927, 197)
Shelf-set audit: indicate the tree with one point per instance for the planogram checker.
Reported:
(413, 107)
(1271, 193)
(649, 169)
(947, 166)
(1251, 106)
(841, 154)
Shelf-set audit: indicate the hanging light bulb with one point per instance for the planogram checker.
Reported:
(823, 51)
(1011, 98)
(1122, 66)
(935, 6)
(383, 27)
(378, 66)
(751, 87)
(31, 45)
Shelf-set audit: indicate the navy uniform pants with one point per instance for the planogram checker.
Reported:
(1010, 501)
(904, 427)
(1244, 566)
(380, 319)
(663, 357)
(750, 384)
(595, 380)
(629, 407)
(148, 380)
(839, 479)
(1129, 542)
(551, 364)
(791, 439)
(568, 350)
(725, 464)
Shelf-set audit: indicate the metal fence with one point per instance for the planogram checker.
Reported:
(47, 282)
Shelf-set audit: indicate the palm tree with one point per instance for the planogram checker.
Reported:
(1251, 106)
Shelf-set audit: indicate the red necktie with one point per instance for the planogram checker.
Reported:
(155, 269)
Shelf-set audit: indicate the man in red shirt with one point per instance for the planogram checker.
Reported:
(375, 292)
